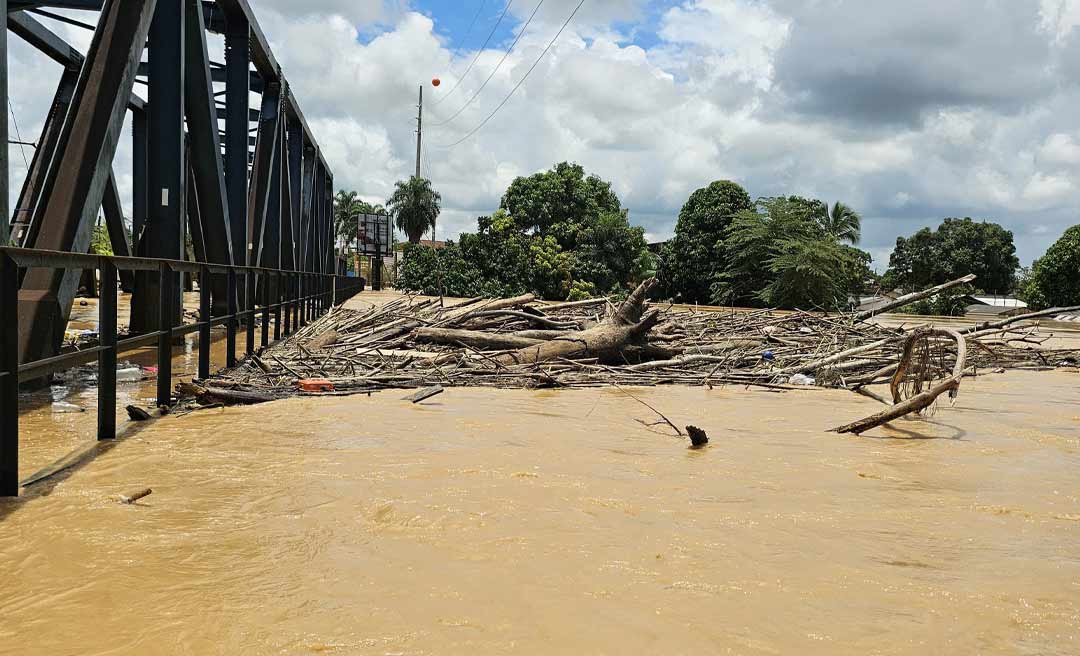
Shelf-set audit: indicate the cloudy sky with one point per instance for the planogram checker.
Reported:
(909, 111)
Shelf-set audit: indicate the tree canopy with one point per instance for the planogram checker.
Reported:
(956, 248)
(557, 232)
(783, 254)
(414, 206)
(558, 201)
(692, 259)
(1055, 277)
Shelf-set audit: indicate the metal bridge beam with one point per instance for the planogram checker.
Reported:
(79, 171)
(237, 85)
(166, 173)
(261, 173)
(296, 157)
(205, 148)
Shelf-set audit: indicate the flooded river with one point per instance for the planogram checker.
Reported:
(551, 522)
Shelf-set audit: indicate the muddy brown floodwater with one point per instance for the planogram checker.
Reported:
(544, 522)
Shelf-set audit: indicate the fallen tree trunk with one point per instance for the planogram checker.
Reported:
(921, 401)
(626, 325)
(474, 338)
(208, 395)
(542, 334)
(908, 299)
(1022, 317)
(459, 317)
(533, 318)
(573, 304)
(598, 342)
(322, 340)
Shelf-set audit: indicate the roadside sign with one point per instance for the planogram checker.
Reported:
(373, 236)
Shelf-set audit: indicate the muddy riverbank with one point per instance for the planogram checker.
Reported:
(546, 522)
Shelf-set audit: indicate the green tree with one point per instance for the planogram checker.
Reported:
(956, 248)
(1055, 277)
(414, 206)
(585, 219)
(557, 201)
(421, 269)
(691, 260)
(100, 242)
(842, 223)
(782, 256)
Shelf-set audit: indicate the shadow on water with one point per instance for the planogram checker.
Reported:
(955, 433)
(42, 482)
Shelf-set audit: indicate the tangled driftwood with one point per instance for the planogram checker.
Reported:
(416, 342)
(923, 399)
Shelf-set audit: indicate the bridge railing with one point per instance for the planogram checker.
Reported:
(291, 298)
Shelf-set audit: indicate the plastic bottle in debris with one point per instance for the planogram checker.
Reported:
(129, 374)
(65, 407)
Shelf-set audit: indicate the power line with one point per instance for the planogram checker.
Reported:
(520, 82)
(18, 136)
(495, 70)
(478, 53)
(468, 32)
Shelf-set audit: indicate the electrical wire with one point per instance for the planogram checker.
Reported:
(520, 82)
(18, 136)
(495, 70)
(468, 32)
(478, 53)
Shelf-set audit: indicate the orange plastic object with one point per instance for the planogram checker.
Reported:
(436, 82)
(316, 385)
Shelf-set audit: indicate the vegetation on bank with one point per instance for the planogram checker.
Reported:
(564, 235)
(560, 234)
(1054, 280)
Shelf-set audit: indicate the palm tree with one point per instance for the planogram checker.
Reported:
(347, 209)
(414, 206)
(842, 223)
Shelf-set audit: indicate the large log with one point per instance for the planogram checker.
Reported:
(458, 317)
(1021, 317)
(478, 340)
(599, 342)
(625, 326)
(908, 299)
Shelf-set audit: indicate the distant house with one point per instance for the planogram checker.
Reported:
(872, 303)
(983, 306)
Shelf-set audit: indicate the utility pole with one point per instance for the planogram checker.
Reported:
(5, 231)
(419, 129)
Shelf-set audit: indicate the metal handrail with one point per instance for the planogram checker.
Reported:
(293, 298)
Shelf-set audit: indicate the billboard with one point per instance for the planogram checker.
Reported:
(373, 235)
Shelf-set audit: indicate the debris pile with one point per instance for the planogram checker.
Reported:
(416, 342)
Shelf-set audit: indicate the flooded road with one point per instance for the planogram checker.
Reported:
(551, 522)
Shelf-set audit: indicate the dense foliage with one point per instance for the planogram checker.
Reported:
(559, 234)
(1055, 277)
(784, 254)
(414, 206)
(693, 258)
(956, 248)
(100, 242)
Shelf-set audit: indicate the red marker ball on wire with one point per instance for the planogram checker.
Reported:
(436, 82)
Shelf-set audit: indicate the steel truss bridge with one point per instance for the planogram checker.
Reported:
(248, 185)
